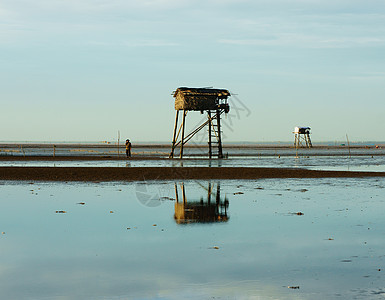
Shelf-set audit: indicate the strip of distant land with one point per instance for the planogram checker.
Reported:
(267, 145)
(108, 174)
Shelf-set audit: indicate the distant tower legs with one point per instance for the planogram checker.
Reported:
(308, 141)
(300, 140)
(296, 140)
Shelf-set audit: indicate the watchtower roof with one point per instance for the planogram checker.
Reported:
(186, 91)
(199, 98)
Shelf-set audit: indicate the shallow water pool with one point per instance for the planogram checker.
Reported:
(336, 163)
(259, 239)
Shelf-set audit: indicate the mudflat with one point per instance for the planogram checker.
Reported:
(104, 174)
(77, 158)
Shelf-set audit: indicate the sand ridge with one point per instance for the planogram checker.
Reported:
(105, 174)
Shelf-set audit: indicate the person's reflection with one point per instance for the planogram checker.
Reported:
(214, 209)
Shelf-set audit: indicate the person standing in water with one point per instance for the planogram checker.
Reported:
(128, 148)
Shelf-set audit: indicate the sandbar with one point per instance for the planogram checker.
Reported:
(108, 174)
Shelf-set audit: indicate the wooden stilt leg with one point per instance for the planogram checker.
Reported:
(184, 194)
(210, 124)
(220, 154)
(209, 194)
(174, 136)
(218, 196)
(176, 193)
(182, 139)
(309, 140)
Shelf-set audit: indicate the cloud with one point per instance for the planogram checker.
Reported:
(135, 43)
(39, 7)
(151, 43)
(307, 31)
(307, 41)
(369, 76)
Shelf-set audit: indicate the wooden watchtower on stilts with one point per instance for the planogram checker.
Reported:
(211, 101)
(302, 137)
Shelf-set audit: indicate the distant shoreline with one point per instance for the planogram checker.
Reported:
(60, 152)
(109, 174)
(272, 145)
(144, 157)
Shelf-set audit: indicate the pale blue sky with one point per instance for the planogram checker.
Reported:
(82, 70)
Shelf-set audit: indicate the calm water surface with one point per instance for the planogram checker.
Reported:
(355, 163)
(357, 159)
(193, 240)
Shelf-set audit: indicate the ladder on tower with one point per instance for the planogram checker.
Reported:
(308, 141)
(214, 134)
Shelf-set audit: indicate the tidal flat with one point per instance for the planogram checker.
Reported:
(320, 238)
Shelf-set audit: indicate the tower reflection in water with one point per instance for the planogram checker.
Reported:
(209, 210)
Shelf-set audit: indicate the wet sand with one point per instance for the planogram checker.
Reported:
(104, 174)
(79, 158)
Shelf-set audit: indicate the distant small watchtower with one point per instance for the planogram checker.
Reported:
(302, 137)
(212, 101)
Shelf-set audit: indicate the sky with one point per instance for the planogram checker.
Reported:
(86, 70)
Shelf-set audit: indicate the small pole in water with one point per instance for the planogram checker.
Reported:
(22, 150)
(54, 148)
(118, 143)
(21, 146)
(348, 145)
